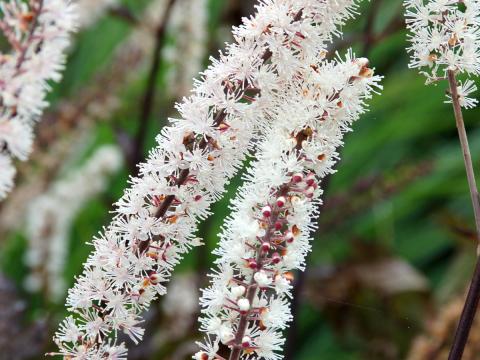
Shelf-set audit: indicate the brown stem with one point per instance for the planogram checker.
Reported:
(462, 134)
(150, 91)
(471, 302)
(467, 317)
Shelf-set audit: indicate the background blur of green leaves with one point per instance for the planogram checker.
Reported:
(394, 244)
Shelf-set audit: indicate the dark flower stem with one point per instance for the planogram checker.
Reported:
(150, 92)
(473, 296)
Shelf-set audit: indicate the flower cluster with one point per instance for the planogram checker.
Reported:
(189, 24)
(74, 117)
(196, 155)
(38, 33)
(246, 306)
(445, 35)
(50, 217)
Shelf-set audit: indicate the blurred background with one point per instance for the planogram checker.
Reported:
(395, 246)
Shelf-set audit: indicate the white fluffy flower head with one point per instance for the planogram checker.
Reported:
(445, 36)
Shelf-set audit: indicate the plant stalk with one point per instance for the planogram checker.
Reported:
(150, 92)
(473, 296)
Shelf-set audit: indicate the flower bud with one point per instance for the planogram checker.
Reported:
(201, 356)
(267, 211)
(238, 291)
(252, 264)
(310, 180)
(296, 178)
(246, 341)
(278, 225)
(266, 246)
(243, 305)
(281, 201)
(276, 258)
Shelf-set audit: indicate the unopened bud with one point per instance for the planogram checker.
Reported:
(266, 246)
(298, 177)
(278, 225)
(246, 341)
(310, 180)
(238, 291)
(252, 264)
(201, 356)
(281, 201)
(267, 211)
(243, 305)
(276, 258)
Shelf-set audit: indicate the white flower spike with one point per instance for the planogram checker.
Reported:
(445, 35)
(156, 219)
(38, 32)
(322, 103)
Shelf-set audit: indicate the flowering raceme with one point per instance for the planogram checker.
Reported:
(246, 306)
(157, 217)
(38, 33)
(445, 35)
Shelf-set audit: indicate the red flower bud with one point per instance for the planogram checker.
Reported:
(298, 177)
(266, 246)
(267, 211)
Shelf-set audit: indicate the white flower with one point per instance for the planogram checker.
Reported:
(238, 291)
(464, 90)
(317, 113)
(234, 100)
(443, 36)
(37, 57)
(262, 279)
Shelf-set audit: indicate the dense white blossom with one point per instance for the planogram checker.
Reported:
(156, 219)
(445, 35)
(246, 306)
(38, 34)
(50, 218)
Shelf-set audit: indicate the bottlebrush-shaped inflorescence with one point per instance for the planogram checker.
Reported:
(445, 35)
(38, 33)
(157, 217)
(246, 306)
